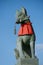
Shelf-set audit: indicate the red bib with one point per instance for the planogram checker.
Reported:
(25, 28)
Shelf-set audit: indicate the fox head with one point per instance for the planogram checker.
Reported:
(21, 15)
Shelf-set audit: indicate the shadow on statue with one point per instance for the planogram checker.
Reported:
(26, 48)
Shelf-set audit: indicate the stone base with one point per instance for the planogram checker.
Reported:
(29, 61)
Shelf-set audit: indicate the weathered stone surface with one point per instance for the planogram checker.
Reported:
(30, 61)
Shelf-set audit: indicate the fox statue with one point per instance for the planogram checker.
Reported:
(26, 36)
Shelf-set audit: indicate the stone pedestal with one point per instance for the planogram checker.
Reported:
(27, 61)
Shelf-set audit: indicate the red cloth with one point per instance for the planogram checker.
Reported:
(25, 28)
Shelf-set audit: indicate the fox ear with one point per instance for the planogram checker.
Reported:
(17, 12)
(23, 10)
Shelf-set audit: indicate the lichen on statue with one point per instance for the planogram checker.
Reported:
(26, 36)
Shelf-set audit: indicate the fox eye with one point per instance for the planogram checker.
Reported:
(20, 20)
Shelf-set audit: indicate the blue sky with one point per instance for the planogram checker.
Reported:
(8, 17)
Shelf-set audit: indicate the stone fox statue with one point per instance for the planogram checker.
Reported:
(26, 36)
